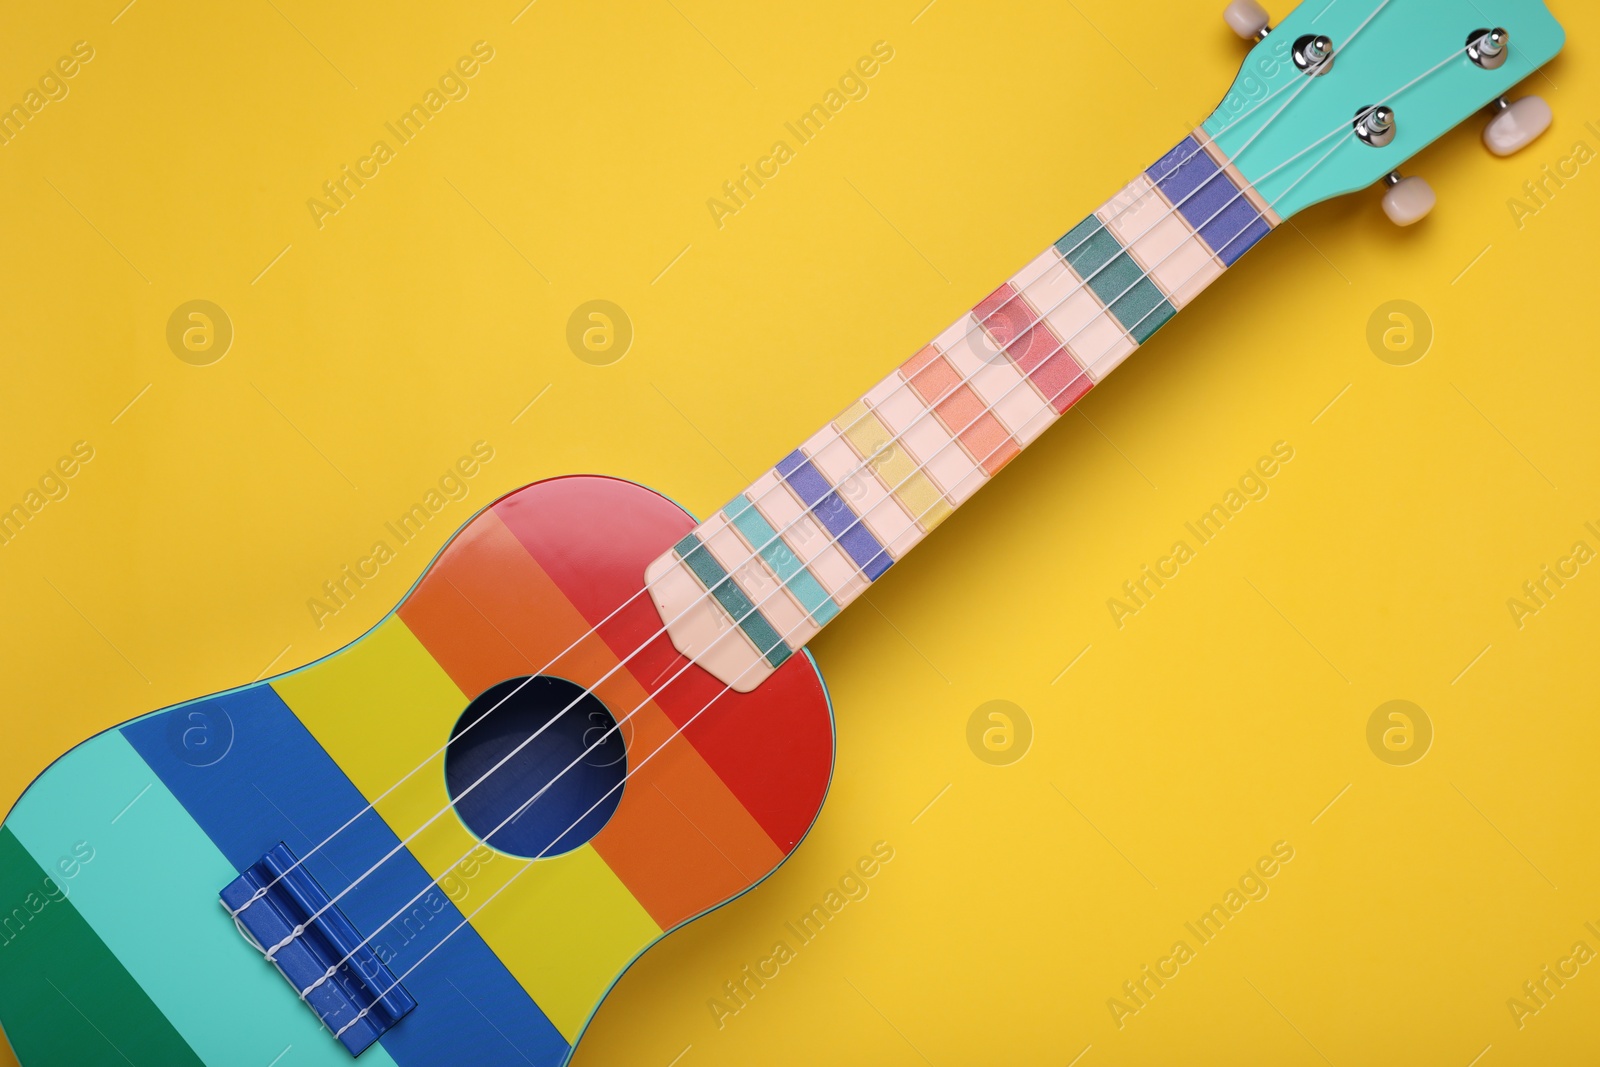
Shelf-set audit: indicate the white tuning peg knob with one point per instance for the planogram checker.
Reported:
(1516, 125)
(1407, 200)
(1246, 18)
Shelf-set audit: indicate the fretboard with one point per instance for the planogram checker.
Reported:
(752, 584)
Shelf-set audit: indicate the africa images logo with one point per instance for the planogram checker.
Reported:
(452, 85)
(452, 486)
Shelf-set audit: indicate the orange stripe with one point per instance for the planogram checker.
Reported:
(680, 840)
(931, 375)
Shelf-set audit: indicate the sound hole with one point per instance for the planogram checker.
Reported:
(503, 717)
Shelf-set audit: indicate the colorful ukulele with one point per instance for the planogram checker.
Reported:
(588, 722)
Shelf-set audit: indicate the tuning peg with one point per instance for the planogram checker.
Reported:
(1515, 126)
(1246, 18)
(1407, 199)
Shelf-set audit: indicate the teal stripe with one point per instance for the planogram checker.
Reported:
(1087, 247)
(150, 893)
(1097, 256)
(755, 625)
(785, 564)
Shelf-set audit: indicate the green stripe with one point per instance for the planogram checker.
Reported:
(1095, 254)
(64, 997)
(151, 893)
(732, 598)
(784, 563)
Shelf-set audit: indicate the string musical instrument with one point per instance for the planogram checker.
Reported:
(593, 718)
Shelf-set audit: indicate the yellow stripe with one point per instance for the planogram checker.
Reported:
(568, 926)
(565, 930)
(899, 473)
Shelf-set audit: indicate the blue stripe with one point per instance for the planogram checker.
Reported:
(1223, 216)
(834, 514)
(273, 782)
(149, 893)
(784, 563)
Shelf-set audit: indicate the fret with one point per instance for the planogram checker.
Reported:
(822, 499)
(951, 468)
(897, 469)
(824, 560)
(1073, 310)
(893, 526)
(1165, 248)
(1006, 395)
(787, 568)
(1207, 191)
(756, 581)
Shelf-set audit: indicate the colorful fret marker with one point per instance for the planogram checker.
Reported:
(959, 411)
(1160, 240)
(773, 600)
(886, 517)
(834, 514)
(1096, 255)
(835, 571)
(1096, 339)
(818, 495)
(1036, 350)
(760, 535)
(694, 554)
(1005, 394)
(893, 465)
(1209, 199)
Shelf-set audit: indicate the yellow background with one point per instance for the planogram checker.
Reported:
(1223, 717)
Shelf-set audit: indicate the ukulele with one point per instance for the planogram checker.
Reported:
(593, 719)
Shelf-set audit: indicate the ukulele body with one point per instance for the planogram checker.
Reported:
(113, 942)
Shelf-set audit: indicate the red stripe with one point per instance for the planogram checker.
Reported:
(680, 839)
(1004, 314)
(1040, 356)
(773, 747)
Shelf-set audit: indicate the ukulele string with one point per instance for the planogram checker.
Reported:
(918, 469)
(466, 919)
(781, 586)
(528, 803)
(972, 330)
(530, 862)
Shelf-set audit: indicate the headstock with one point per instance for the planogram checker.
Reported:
(1342, 93)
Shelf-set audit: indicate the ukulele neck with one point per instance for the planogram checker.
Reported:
(757, 580)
